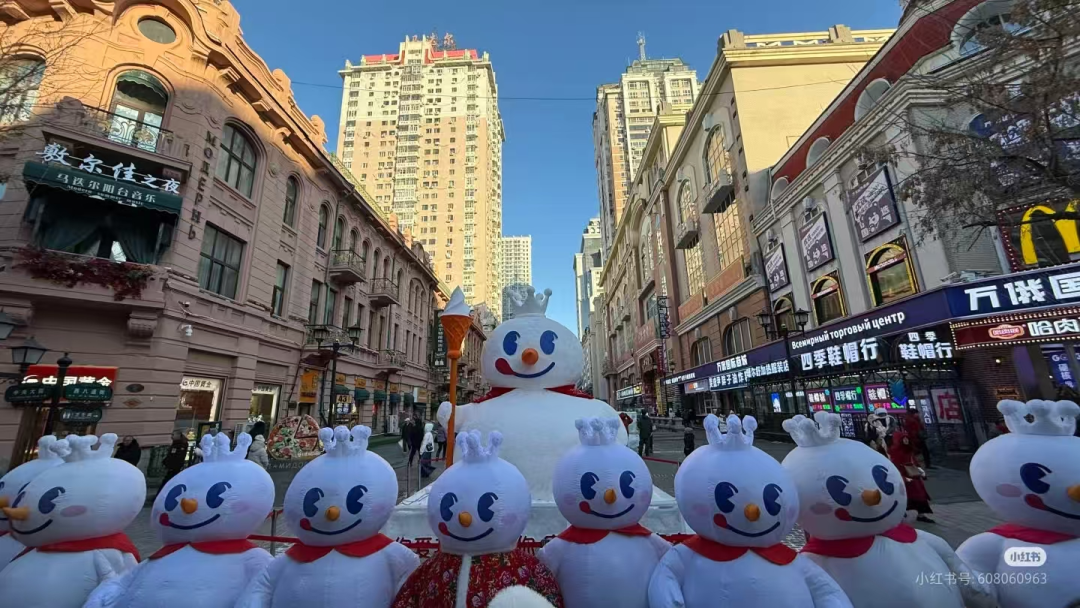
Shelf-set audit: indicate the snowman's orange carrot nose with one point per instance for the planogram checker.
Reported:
(333, 513)
(18, 514)
(189, 505)
(871, 497)
(609, 496)
(464, 519)
(1073, 492)
(3, 501)
(529, 356)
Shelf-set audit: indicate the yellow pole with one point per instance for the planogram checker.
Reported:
(453, 409)
(455, 328)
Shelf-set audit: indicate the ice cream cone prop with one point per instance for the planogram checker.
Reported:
(456, 319)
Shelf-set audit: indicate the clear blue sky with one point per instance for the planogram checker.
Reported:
(549, 49)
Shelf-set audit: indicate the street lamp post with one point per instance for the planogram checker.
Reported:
(62, 366)
(773, 330)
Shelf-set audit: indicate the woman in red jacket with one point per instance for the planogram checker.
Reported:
(902, 454)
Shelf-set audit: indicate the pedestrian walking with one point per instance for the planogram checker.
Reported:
(687, 439)
(415, 438)
(878, 431)
(257, 452)
(176, 458)
(129, 450)
(645, 428)
(405, 429)
(440, 439)
(916, 431)
(427, 450)
(902, 454)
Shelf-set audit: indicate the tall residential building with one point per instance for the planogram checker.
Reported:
(587, 264)
(421, 131)
(622, 122)
(516, 270)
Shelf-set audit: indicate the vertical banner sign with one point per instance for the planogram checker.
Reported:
(817, 249)
(873, 207)
(847, 425)
(776, 269)
(309, 386)
(947, 406)
(818, 398)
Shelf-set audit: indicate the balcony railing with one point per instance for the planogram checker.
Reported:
(383, 292)
(391, 359)
(127, 131)
(720, 194)
(346, 266)
(607, 368)
(325, 335)
(686, 233)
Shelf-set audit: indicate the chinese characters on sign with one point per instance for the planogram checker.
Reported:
(877, 395)
(924, 346)
(198, 384)
(1048, 288)
(88, 392)
(55, 153)
(73, 415)
(776, 269)
(873, 207)
(740, 376)
(628, 392)
(817, 249)
(838, 355)
(818, 398)
(947, 405)
(848, 398)
(970, 335)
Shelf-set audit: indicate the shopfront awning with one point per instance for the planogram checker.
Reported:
(361, 395)
(101, 187)
(341, 389)
(409, 399)
(380, 396)
(395, 397)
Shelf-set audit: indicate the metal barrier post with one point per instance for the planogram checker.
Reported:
(273, 530)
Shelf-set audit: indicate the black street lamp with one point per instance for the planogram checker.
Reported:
(773, 330)
(7, 325)
(30, 353)
(62, 366)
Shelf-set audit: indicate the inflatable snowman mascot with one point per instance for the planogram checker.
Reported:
(852, 503)
(741, 503)
(533, 363)
(204, 516)
(605, 557)
(478, 509)
(14, 481)
(1031, 478)
(336, 505)
(72, 519)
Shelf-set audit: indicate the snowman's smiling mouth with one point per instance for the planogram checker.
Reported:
(164, 520)
(1036, 502)
(35, 530)
(844, 515)
(503, 367)
(446, 530)
(306, 525)
(721, 522)
(586, 508)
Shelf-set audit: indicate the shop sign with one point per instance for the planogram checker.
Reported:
(309, 386)
(629, 392)
(818, 398)
(815, 243)
(838, 355)
(199, 384)
(947, 405)
(919, 311)
(76, 374)
(73, 415)
(776, 269)
(29, 393)
(696, 387)
(847, 425)
(873, 207)
(1008, 392)
(380, 385)
(1059, 367)
(88, 392)
(265, 389)
(340, 379)
(1037, 330)
(394, 387)
(879, 396)
(360, 382)
(775, 399)
(1017, 292)
(848, 398)
(421, 395)
(922, 346)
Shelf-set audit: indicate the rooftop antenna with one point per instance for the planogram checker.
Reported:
(641, 45)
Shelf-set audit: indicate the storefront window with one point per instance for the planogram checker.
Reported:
(695, 276)
(198, 405)
(782, 310)
(828, 299)
(701, 351)
(890, 274)
(737, 337)
(264, 403)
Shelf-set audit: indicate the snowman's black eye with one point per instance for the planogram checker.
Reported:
(625, 483)
(483, 506)
(448, 500)
(213, 495)
(1032, 475)
(771, 497)
(352, 500)
(310, 501)
(47, 502)
(836, 486)
(547, 342)
(173, 497)
(588, 480)
(881, 478)
(722, 494)
(510, 342)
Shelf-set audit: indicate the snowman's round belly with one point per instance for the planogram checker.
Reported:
(538, 427)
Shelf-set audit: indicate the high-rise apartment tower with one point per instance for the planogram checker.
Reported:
(516, 269)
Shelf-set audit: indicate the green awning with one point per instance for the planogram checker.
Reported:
(409, 398)
(395, 397)
(340, 389)
(380, 395)
(361, 395)
(101, 187)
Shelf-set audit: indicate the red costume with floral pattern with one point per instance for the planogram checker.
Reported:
(435, 583)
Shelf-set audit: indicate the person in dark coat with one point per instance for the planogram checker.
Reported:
(415, 438)
(644, 425)
(176, 458)
(688, 439)
(259, 428)
(405, 429)
(129, 450)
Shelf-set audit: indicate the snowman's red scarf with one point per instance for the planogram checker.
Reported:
(588, 536)
(118, 541)
(210, 547)
(854, 547)
(779, 554)
(569, 390)
(362, 548)
(1030, 535)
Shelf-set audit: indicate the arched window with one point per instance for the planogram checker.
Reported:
(236, 163)
(987, 19)
(20, 80)
(715, 154)
(292, 192)
(324, 220)
(645, 247)
(375, 264)
(890, 274)
(365, 249)
(339, 233)
(386, 267)
(737, 338)
(701, 351)
(778, 188)
(138, 107)
(400, 278)
(353, 237)
(828, 299)
(870, 97)
(783, 312)
(817, 149)
(685, 207)
(695, 274)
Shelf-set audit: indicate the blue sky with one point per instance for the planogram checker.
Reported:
(561, 49)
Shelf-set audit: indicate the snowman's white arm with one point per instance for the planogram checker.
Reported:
(823, 589)
(551, 555)
(113, 584)
(259, 592)
(402, 563)
(256, 561)
(665, 586)
(660, 545)
(982, 552)
(459, 418)
(976, 593)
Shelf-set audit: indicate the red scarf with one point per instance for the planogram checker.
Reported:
(588, 536)
(210, 547)
(118, 541)
(362, 548)
(1030, 535)
(854, 547)
(779, 554)
(569, 389)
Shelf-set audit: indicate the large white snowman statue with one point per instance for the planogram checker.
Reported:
(852, 503)
(204, 516)
(1031, 478)
(336, 506)
(72, 519)
(605, 557)
(742, 504)
(15, 480)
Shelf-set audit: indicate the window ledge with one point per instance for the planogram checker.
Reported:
(220, 182)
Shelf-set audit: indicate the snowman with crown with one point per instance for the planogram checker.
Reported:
(477, 509)
(1031, 478)
(71, 518)
(15, 480)
(852, 504)
(742, 504)
(204, 516)
(605, 557)
(336, 506)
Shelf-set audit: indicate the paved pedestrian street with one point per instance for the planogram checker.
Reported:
(957, 508)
